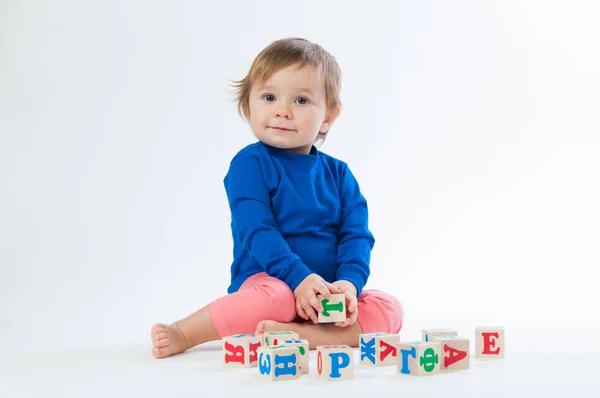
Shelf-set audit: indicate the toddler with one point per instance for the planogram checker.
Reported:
(299, 221)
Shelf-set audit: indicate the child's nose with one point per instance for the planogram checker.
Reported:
(283, 111)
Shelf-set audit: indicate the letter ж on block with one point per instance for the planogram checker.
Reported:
(378, 349)
(418, 359)
(276, 363)
(334, 310)
(335, 362)
(489, 342)
(240, 350)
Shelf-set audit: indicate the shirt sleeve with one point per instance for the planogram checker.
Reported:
(251, 214)
(355, 240)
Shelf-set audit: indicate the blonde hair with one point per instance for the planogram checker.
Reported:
(287, 52)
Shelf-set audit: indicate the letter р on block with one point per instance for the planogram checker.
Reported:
(334, 310)
(418, 358)
(378, 349)
(335, 362)
(275, 338)
(277, 363)
(489, 342)
(454, 352)
(240, 350)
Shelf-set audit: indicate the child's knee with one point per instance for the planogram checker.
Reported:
(385, 312)
(278, 302)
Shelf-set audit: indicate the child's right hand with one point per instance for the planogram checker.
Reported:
(306, 296)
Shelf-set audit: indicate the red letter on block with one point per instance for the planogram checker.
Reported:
(488, 343)
(234, 353)
(455, 355)
(387, 350)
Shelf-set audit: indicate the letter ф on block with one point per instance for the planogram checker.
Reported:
(303, 347)
(240, 350)
(429, 333)
(335, 362)
(489, 342)
(378, 349)
(454, 352)
(418, 359)
(275, 338)
(334, 310)
(277, 363)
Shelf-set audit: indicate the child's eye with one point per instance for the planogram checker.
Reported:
(302, 100)
(269, 97)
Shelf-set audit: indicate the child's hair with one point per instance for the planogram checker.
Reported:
(287, 52)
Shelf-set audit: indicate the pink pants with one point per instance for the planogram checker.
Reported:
(263, 297)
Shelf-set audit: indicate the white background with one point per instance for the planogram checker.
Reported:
(472, 127)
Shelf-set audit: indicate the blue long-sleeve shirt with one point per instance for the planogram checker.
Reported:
(295, 214)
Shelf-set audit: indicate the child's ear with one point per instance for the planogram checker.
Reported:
(330, 117)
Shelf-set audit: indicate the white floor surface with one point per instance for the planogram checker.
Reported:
(552, 370)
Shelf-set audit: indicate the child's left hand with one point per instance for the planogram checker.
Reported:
(351, 302)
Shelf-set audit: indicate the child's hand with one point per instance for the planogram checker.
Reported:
(351, 302)
(306, 296)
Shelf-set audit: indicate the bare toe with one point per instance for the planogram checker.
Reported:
(167, 340)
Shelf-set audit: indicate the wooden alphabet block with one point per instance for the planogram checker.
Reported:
(303, 348)
(489, 342)
(428, 333)
(334, 310)
(418, 358)
(275, 338)
(335, 362)
(379, 349)
(454, 351)
(240, 350)
(279, 362)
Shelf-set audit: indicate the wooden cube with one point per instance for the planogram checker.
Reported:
(279, 362)
(489, 342)
(335, 362)
(334, 310)
(275, 338)
(418, 358)
(379, 349)
(240, 350)
(428, 333)
(303, 347)
(454, 351)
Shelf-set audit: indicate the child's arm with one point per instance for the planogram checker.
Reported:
(251, 213)
(355, 241)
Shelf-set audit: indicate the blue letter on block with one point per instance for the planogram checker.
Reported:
(264, 363)
(405, 353)
(289, 365)
(367, 350)
(339, 360)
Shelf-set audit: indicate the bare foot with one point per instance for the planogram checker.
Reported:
(319, 334)
(168, 340)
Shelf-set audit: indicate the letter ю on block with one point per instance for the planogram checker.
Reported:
(334, 310)
(335, 362)
(275, 338)
(418, 359)
(276, 363)
(454, 352)
(429, 333)
(240, 350)
(378, 349)
(489, 342)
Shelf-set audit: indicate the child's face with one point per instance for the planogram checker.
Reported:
(289, 109)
